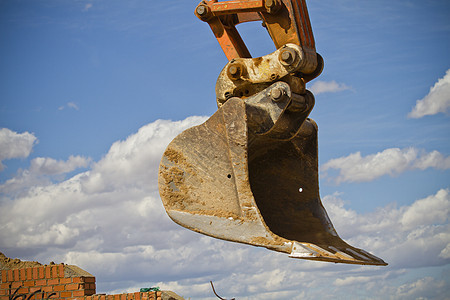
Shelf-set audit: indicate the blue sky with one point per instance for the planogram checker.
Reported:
(91, 92)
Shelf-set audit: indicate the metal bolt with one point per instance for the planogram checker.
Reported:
(287, 57)
(273, 77)
(276, 94)
(270, 3)
(202, 10)
(235, 71)
(272, 6)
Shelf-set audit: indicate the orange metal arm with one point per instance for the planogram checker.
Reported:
(287, 21)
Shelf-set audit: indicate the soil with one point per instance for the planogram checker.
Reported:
(7, 263)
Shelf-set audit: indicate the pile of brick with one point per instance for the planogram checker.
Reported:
(60, 282)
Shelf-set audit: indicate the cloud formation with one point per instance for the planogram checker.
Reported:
(71, 105)
(436, 101)
(15, 145)
(392, 161)
(42, 172)
(50, 166)
(398, 234)
(87, 7)
(110, 221)
(320, 87)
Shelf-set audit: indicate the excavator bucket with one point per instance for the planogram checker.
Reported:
(239, 177)
(249, 174)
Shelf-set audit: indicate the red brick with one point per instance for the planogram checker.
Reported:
(10, 275)
(71, 287)
(52, 295)
(29, 273)
(53, 281)
(48, 272)
(16, 284)
(41, 282)
(110, 297)
(35, 273)
(65, 280)
(88, 298)
(4, 276)
(34, 289)
(41, 272)
(38, 296)
(22, 274)
(28, 283)
(89, 279)
(59, 288)
(16, 275)
(66, 294)
(4, 297)
(54, 271)
(61, 270)
(78, 293)
(4, 285)
(78, 279)
(2, 292)
(47, 289)
(23, 291)
(102, 297)
(137, 296)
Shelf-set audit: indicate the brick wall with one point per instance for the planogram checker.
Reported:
(58, 282)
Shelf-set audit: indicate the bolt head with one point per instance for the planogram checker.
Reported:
(270, 3)
(287, 57)
(276, 94)
(235, 71)
(201, 10)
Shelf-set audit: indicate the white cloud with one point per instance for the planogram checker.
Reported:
(71, 105)
(88, 6)
(436, 101)
(42, 171)
(445, 253)
(50, 166)
(351, 280)
(15, 145)
(435, 208)
(319, 87)
(415, 235)
(421, 286)
(392, 161)
(110, 221)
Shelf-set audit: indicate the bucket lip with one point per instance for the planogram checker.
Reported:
(253, 232)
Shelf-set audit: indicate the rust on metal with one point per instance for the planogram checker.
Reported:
(287, 21)
(234, 7)
(249, 174)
